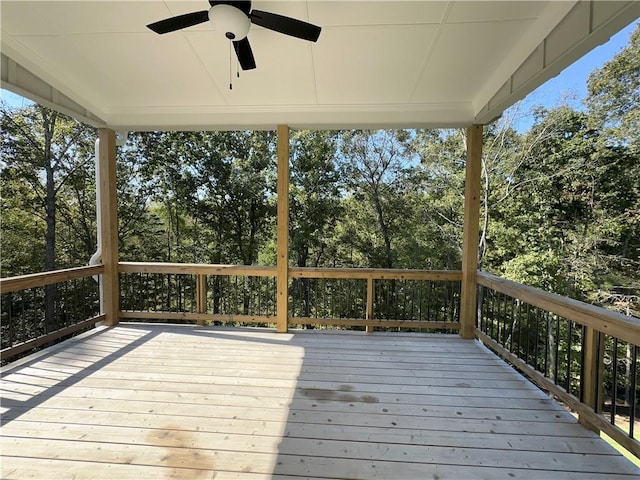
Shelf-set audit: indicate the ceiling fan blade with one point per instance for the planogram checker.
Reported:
(244, 53)
(287, 25)
(181, 21)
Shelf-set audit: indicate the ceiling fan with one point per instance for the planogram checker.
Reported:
(234, 20)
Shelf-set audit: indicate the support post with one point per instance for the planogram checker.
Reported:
(201, 295)
(592, 373)
(282, 261)
(109, 214)
(369, 314)
(470, 231)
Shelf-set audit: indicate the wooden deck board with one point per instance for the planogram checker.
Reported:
(162, 401)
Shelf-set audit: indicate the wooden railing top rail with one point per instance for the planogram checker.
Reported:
(42, 279)
(612, 323)
(374, 273)
(294, 272)
(196, 269)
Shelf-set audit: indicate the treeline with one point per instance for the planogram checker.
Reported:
(560, 204)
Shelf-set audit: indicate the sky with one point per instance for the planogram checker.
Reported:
(569, 87)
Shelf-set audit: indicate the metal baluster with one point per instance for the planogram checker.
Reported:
(634, 384)
(537, 339)
(74, 305)
(519, 353)
(569, 341)
(492, 313)
(12, 328)
(259, 281)
(179, 293)
(445, 288)
(505, 317)
(413, 298)
(557, 338)
(614, 382)
(37, 329)
(506, 328)
(323, 295)
(124, 290)
(485, 309)
(332, 297)
(528, 335)
(500, 317)
(513, 323)
(397, 291)
(154, 289)
(194, 292)
(429, 296)
(404, 300)
(168, 289)
(142, 292)
(274, 295)
(546, 344)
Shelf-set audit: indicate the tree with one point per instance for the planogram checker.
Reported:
(614, 96)
(141, 230)
(378, 168)
(314, 194)
(442, 172)
(614, 108)
(51, 154)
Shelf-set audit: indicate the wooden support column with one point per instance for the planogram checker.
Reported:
(471, 231)
(592, 373)
(282, 261)
(370, 297)
(201, 296)
(109, 214)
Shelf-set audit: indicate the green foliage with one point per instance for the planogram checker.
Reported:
(314, 195)
(47, 177)
(614, 96)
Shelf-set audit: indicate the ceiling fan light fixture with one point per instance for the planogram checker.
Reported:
(229, 20)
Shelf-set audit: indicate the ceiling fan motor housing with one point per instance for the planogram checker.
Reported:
(230, 20)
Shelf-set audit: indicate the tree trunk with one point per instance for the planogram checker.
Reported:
(383, 228)
(50, 291)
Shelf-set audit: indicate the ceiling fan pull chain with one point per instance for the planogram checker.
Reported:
(230, 66)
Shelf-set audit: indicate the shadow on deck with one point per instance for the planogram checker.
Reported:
(162, 401)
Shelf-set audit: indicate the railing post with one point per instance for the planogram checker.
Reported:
(282, 260)
(109, 224)
(369, 314)
(592, 370)
(470, 232)
(201, 295)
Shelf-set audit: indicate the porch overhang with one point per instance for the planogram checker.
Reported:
(377, 64)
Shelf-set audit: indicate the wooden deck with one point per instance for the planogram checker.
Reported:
(160, 401)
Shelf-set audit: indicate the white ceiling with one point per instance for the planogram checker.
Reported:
(376, 63)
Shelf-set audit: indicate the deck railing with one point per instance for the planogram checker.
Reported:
(197, 293)
(41, 308)
(375, 298)
(370, 298)
(584, 355)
